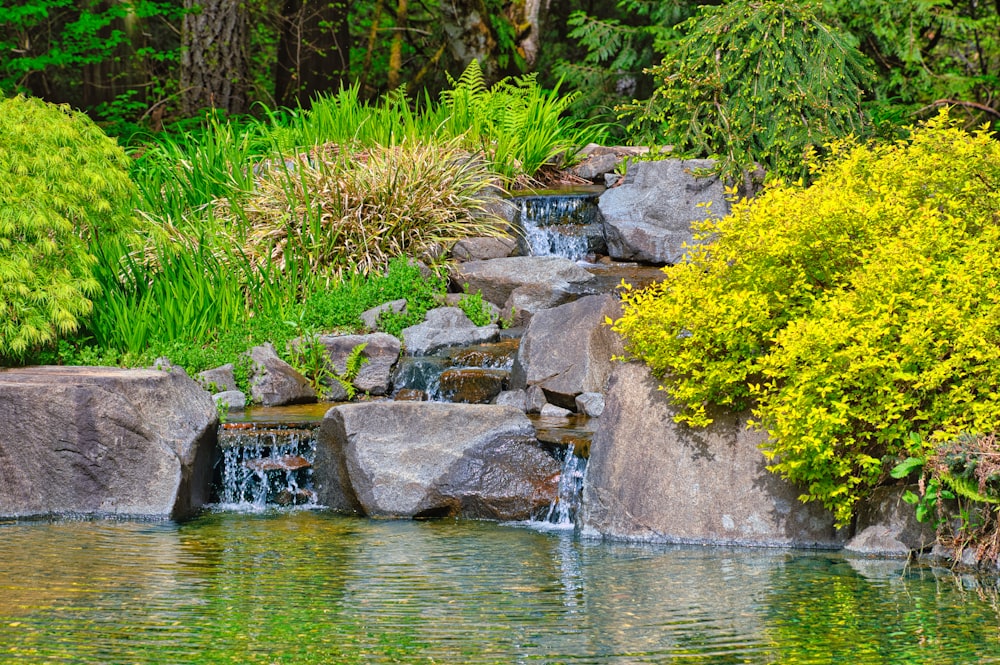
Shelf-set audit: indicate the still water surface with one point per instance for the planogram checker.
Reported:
(312, 587)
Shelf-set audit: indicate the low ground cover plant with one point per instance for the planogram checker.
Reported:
(846, 314)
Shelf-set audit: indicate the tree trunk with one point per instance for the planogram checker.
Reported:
(215, 68)
(396, 49)
(313, 50)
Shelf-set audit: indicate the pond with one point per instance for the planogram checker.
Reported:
(308, 586)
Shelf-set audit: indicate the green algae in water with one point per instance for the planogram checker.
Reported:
(311, 587)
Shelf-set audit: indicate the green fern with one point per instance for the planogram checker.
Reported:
(352, 367)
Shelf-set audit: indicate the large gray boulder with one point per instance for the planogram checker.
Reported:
(444, 327)
(648, 216)
(526, 284)
(381, 350)
(273, 382)
(567, 350)
(426, 459)
(651, 479)
(104, 441)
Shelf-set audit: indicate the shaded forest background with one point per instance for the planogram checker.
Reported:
(143, 64)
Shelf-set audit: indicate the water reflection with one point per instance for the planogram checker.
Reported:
(310, 587)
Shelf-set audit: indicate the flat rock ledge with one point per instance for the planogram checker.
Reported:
(104, 441)
(651, 479)
(432, 459)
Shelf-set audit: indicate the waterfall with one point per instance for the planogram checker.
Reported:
(566, 225)
(562, 512)
(263, 466)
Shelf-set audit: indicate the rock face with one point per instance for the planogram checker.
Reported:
(219, 380)
(444, 327)
(886, 526)
(104, 441)
(648, 216)
(524, 283)
(567, 350)
(426, 459)
(381, 350)
(274, 382)
(651, 479)
(482, 249)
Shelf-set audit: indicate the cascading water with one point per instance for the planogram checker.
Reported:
(565, 225)
(459, 375)
(562, 512)
(264, 465)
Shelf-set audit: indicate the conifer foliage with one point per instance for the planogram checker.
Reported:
(754, 82)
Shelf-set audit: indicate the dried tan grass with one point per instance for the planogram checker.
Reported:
(346, 210)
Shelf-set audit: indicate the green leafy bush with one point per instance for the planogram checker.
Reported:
(754, 82)
(847, 314)
(63, 184)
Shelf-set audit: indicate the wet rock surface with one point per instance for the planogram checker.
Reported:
(104, 441)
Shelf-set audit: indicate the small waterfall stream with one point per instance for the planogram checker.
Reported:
(562, 512)
(566, 224)
(264, 465)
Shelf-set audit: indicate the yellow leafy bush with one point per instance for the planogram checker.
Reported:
(846, 314)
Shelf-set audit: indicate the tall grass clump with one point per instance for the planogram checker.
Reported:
(342, 211)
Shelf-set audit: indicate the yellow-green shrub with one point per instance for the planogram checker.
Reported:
(846, 314)
(63, 182)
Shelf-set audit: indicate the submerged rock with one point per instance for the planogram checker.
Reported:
(648, 216)
(101, 441)
(652, 479)
(427, 459)
(566, 351)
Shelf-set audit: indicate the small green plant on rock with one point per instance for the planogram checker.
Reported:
(352, 367)
(477, 309)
